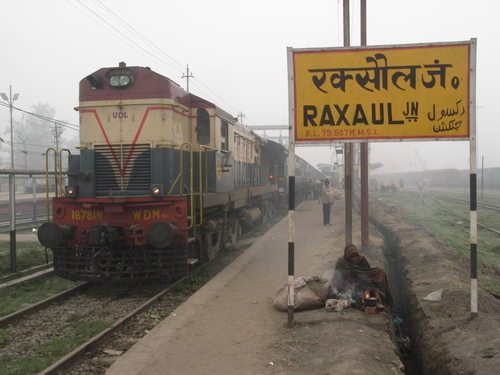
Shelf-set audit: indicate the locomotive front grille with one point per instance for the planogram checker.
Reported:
(122, 168)
(119, 263)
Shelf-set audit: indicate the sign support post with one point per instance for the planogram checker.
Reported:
(348, 147)
(414, 92)
(291, 190)
(473, 180)
(364, 162)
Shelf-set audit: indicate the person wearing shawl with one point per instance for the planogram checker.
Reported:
(354, 273)
(327, 200)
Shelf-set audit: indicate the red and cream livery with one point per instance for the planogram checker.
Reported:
(164, 179)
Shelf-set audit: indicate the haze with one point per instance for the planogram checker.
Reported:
(236, 52)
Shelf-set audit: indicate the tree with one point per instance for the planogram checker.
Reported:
(34, 135)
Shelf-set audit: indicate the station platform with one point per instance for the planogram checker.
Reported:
(230, 325)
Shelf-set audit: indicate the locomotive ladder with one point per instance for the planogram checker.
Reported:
(58, 176)
(193, 223)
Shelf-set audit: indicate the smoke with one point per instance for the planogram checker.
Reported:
(342, 288)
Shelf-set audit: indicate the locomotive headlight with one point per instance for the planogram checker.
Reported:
(71, 191)
(156, 190)
(119, 80)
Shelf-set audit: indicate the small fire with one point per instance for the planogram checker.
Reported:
(367, 294)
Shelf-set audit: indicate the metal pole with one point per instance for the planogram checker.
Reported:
(187, 76)
(348, 148)
(34, 197)
(57, 137)
(364, 162)
(12, 191)
(291, 191)
(482, 175)
(473, 180)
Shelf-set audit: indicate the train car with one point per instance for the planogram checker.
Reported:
(306, 175)
(164, 180)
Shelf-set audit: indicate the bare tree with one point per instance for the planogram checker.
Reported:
(36, 133)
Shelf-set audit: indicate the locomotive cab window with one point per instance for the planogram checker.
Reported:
(224, 135)
(203, 126)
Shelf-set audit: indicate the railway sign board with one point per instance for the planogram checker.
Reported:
(382, 93)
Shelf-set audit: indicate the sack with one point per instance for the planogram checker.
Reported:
(310, 292)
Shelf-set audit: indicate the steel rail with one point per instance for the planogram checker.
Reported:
(8, 319)
(449, 210)
(71, 358)
(22, 224)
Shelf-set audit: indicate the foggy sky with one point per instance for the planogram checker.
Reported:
(236, 51)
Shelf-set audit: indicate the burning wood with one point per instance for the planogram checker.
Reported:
(354, 274)
(370, 300)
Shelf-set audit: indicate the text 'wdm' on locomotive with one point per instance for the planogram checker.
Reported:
(164, 179)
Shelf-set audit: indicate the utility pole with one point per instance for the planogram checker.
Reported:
(348, 148)
(12, 184)
(241, 115)
(56, 136)
(364, 162)
(187, 76)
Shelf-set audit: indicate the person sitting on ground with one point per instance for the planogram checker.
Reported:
(354, 274)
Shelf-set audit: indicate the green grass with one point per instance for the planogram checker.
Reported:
(191, 284)
(51, 351)
(453, 229)
(29, 254)
(26, 293)
(4, 334)
(24, 365)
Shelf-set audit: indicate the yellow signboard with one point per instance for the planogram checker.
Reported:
(382, 93)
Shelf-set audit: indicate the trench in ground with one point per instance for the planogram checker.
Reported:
(401, 312)
(406, 307)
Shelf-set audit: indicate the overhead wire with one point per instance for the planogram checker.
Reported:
(197, 82)
(102, 22)
(44, 118)
(122, 21)
(124, 38)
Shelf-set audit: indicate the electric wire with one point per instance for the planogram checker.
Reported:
(44, 118)
(198, 83)
(124, 38)
(138, 33)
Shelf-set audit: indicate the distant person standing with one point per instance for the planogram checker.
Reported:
(317, 191)
(401, 185)
(327, 200)
(310, 190)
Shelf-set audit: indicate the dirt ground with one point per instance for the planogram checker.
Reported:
(232, 333)
(435, 337)
(445, 335)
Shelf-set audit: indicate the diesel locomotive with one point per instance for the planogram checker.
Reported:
(163, 180)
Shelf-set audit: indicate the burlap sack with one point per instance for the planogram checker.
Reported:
(310, 292)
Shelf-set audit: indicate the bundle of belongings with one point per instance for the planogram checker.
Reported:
(309, 292)
(352, 281)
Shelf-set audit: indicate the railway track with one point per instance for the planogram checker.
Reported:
(31, 334)
(103, 337)
(462, 201)
(439, 199)
(32, 309)
(23, 224)
(53, 319)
